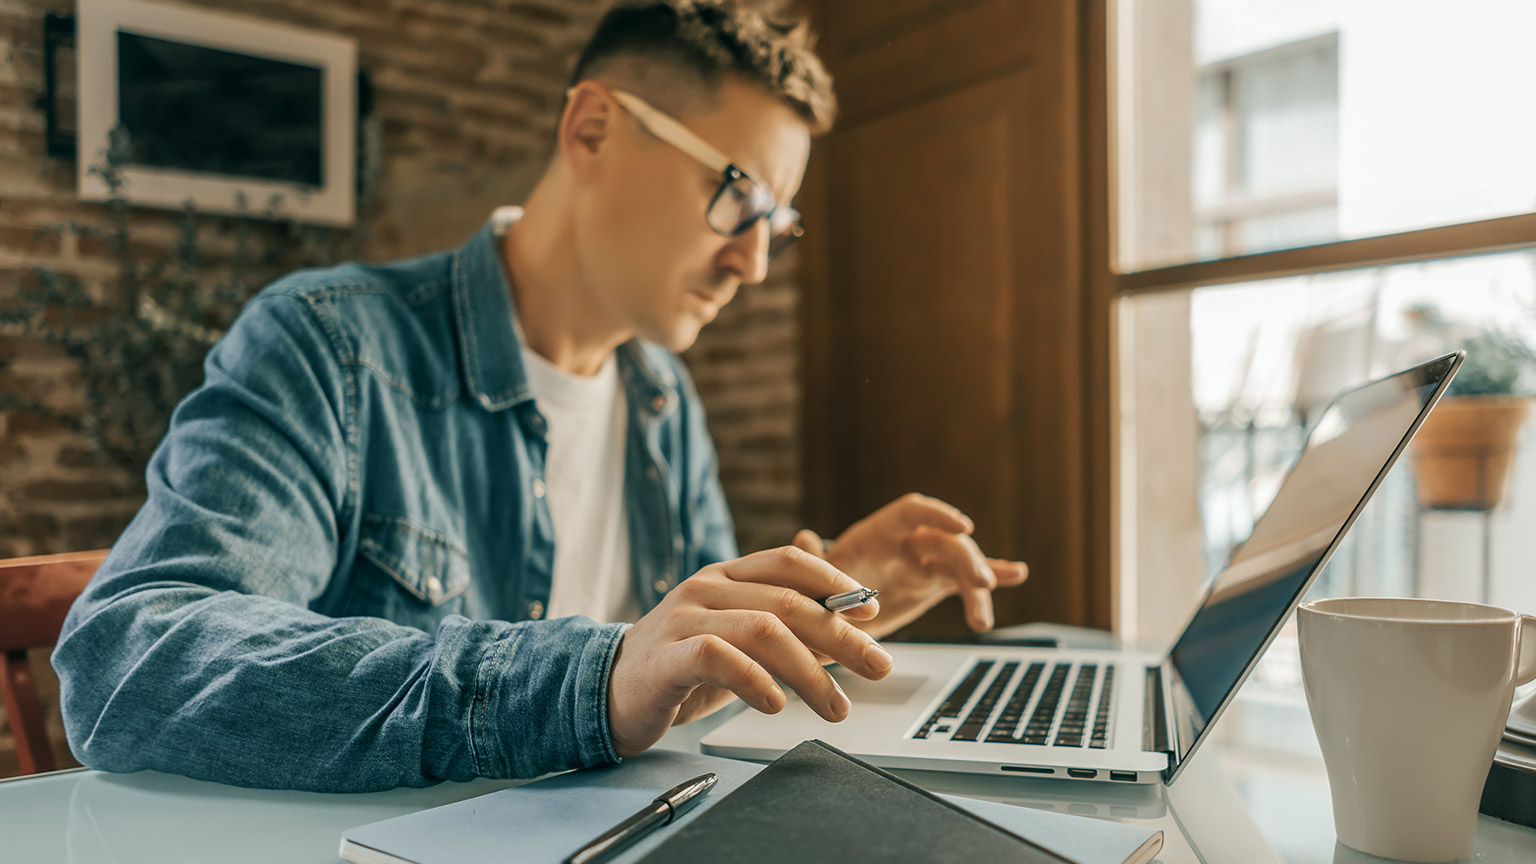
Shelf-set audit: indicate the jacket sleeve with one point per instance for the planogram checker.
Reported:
(194, 650)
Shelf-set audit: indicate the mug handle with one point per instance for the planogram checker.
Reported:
(1525, 671)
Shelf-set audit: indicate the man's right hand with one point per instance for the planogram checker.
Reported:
(731, 629)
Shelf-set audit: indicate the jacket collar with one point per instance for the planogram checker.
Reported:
(489, 349)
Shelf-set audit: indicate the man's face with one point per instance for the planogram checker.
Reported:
(647, 255)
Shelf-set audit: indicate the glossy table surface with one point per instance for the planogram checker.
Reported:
(1228, 806)
(1242, 798)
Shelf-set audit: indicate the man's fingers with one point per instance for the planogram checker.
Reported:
(955, 555)
(791, 567)
(824, 633)
(978, 608)
(811, 542)
(709, 659)
(916, 509)
(766, 639)
(868, 612)
(1008, 573)
(790, 577)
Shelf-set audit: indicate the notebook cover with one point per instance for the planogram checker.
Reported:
(1510, 790)
(816, 803)
(542, 822)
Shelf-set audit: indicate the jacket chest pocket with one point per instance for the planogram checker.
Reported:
(409, 574)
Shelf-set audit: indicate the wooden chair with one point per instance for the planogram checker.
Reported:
(35, 595)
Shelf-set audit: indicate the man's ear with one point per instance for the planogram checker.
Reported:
(585, 128)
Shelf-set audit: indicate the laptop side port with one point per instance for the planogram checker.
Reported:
(1082, 773)
(1127, 776)
(1027, 769)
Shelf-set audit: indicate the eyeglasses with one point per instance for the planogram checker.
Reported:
(740, 201)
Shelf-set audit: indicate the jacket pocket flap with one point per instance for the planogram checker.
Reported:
(428, 564)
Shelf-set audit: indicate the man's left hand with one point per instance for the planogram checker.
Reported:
(917, 551)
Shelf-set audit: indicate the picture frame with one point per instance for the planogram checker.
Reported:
(229, 113)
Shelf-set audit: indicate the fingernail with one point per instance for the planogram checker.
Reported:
(877, 658)
(840, 704)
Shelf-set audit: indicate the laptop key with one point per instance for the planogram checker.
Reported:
(950, 708)
(1008, 722)
(1044, 716)
(1100, 739)
(970, 730)
(1072, 722)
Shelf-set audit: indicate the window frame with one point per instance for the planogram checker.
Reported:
(1108, 283)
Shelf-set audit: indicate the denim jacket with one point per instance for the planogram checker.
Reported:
(338, 579)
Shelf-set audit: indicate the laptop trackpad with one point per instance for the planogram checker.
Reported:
(894, 690)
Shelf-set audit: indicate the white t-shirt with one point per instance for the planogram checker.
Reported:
(584, 485)
(583, 480)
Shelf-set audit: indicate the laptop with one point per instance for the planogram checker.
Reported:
(1123, 715)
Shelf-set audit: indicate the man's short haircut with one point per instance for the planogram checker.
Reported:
(707, 41)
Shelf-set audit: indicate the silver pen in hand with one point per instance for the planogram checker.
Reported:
(665, 809)
(850, 599)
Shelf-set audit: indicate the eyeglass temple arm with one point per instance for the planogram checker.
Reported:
(669, 130)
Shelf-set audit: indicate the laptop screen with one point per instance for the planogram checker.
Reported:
(1346, 454)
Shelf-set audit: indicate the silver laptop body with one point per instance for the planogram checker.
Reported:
(1121, 716)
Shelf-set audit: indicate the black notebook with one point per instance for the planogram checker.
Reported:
(817, 803)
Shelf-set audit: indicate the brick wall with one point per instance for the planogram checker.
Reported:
(746, 366)
(465, 98)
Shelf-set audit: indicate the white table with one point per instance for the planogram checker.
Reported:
(1229, 806)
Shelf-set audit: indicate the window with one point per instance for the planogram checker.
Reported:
(1306, 194)
(1266, 150)
(1303, 121)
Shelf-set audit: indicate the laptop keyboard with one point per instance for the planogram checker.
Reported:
(1079, 720)
(970, 730)
(1101, 717)
(1006, 727)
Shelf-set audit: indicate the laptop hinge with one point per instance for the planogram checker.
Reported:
(1156, 732)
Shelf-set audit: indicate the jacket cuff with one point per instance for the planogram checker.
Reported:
(541, 698)
(594, 737)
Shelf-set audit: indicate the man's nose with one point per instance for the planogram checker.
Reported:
(746, 254)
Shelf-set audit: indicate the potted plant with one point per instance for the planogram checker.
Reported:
(1465, 451)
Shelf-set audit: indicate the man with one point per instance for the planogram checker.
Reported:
(398, 534)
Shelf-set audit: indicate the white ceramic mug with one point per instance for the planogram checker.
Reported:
(1409, 699)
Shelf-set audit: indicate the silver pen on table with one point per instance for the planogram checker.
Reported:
(666, 808)
(850, 599)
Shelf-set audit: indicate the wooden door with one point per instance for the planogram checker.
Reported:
(944, 331)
